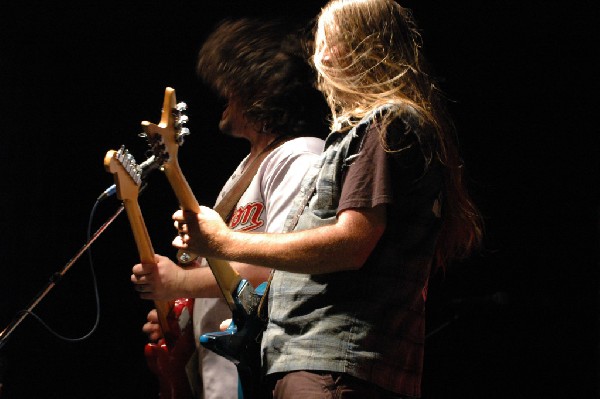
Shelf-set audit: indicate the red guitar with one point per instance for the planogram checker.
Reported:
(167, 358)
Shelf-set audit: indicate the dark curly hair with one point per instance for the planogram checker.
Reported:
(264, 65)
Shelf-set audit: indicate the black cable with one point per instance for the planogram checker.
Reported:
(94, 282)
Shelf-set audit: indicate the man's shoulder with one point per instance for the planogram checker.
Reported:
(302, 144)
(298, 147)
(295, 153)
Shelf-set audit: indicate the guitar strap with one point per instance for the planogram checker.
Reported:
(227, 204)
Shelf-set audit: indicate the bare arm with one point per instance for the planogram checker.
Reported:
(164, 280)
(344, 245)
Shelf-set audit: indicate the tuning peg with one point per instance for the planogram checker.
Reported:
(128, 162)
(184, 131)
(181, 107)
(183, 119)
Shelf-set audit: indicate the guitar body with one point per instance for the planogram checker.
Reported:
(169, 363)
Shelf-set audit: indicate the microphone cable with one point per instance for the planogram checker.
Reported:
(94, 283)
(148, 166)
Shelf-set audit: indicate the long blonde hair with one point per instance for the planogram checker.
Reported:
(368, 53)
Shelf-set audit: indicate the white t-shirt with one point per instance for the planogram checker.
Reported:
(263, 207)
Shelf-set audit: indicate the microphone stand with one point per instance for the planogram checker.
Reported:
(54, 279)
(147, 167)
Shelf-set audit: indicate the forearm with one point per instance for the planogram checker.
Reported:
(344, 245)
(201, 283)
(293, 252)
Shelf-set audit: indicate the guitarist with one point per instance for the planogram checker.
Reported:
(388, 202)
(259, 69)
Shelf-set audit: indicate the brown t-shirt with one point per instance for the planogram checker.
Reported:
(397, 271)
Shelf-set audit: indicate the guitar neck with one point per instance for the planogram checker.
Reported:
(227, 278)
(180, 187)
(165, 139)
(146, 253)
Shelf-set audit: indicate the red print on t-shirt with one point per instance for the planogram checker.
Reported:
(247, 218)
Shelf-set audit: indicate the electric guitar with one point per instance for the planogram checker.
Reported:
(167, 358)
(241, 342)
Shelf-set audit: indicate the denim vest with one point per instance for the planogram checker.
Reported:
(323, 322)
(316, 205)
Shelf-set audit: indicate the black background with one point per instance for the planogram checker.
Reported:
(77, 78)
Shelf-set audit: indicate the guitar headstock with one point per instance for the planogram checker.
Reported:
(166, 137)
(127, 173)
